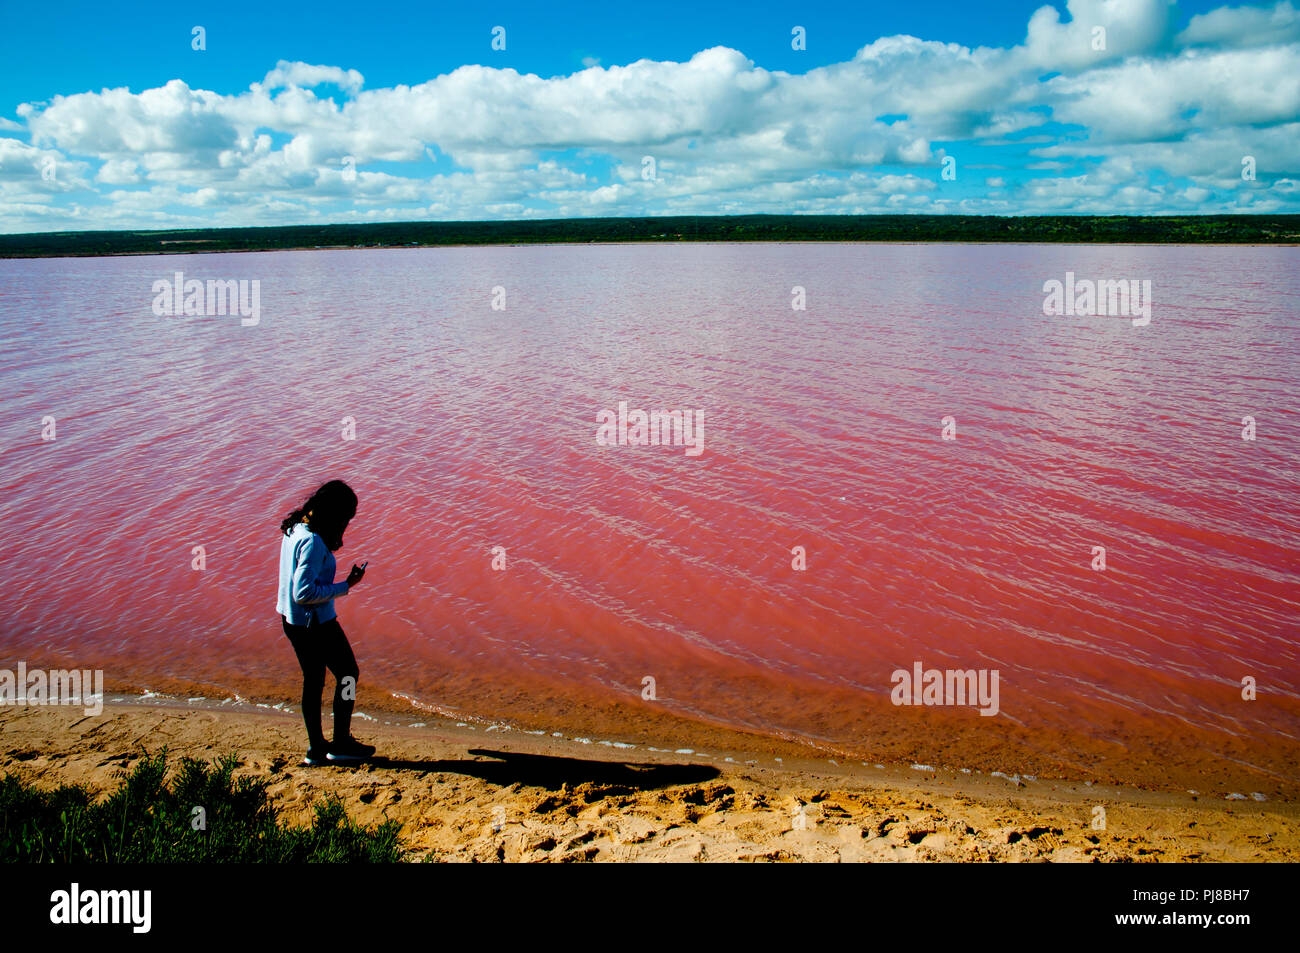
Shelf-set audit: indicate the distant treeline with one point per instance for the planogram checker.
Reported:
(1187, 229)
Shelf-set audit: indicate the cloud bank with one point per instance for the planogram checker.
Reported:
(1108, 110)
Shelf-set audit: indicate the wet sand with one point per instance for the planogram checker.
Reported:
(488, 793)
(1148, 752)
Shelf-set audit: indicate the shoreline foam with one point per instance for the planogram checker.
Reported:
(792, 752)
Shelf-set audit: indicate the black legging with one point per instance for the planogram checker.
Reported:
(319, 646)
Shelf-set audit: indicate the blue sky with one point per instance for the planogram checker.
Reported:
(347, 112)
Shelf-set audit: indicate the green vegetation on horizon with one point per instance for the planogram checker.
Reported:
(1083, 229)
(147, 821)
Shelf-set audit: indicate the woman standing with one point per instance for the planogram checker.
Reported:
(310, 536)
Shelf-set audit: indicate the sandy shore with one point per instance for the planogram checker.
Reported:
(473, 794)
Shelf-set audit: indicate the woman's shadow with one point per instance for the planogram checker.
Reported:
(553, 773)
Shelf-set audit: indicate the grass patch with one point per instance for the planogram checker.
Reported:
(149, 820)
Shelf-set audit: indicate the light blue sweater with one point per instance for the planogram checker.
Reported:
(307, 583)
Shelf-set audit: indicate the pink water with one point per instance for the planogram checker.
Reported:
(475, 428)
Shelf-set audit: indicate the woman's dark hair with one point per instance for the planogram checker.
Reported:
(331, 507)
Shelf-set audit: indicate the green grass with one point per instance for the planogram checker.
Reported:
(149, 820)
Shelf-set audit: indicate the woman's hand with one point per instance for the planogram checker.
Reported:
(356, 575)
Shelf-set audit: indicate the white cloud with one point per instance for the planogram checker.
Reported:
(306, 75)
(119, 172)
(725, 133)
(1144, 100)
(1244, 26)
(1130, 27)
